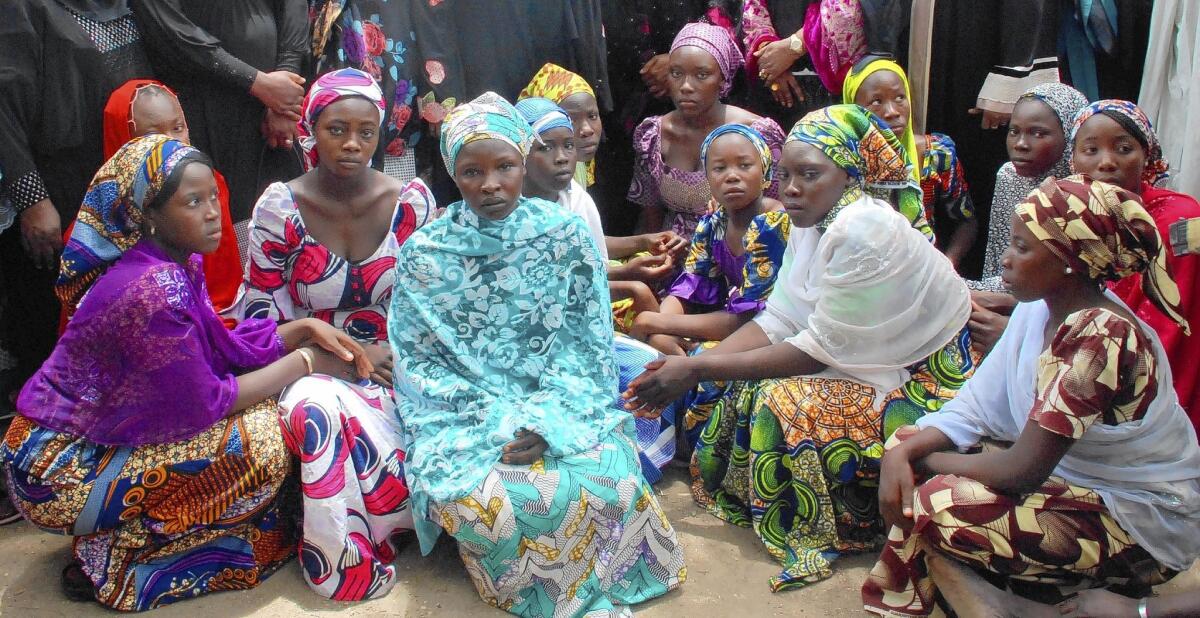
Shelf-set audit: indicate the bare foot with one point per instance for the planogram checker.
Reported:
(971, 596)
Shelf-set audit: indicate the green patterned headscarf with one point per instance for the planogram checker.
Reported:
(860, 143)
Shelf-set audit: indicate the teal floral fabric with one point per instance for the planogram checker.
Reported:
(497, 326)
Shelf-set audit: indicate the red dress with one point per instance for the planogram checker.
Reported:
(1183, 351)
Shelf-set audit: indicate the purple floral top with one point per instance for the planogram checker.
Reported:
(684, 193)
(713, 275)
(145, 359)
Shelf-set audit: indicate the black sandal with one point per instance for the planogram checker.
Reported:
(76, 585)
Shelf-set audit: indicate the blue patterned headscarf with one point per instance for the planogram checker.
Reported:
(489, 116)
(748, 132)
(544, 115)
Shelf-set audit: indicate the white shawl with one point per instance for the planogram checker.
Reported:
(1147, 471)
(868, 297)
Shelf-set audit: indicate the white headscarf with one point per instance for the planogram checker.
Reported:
(868, 297)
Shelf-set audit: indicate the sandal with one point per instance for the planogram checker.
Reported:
(76, 585)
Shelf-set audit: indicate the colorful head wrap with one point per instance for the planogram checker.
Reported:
(543, 115)
(863, 145)
(748, 132)
(1103, 230)
(555, 83)
(110, 219)
(119, 111)
(1133, 120)
(489, 116)
(718, 43)
(328, 88)
(854, 81)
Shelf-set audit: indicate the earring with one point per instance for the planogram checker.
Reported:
(1068, 270)
(151, 229)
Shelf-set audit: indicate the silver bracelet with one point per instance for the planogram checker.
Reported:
(1143, 608)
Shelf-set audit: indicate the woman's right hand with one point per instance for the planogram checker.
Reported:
(330, 364)
(650, 268)
(41, 234)
(774, 59)
(527, 448)
(896, 484)
(654, 74)
(986, 328)
(282, 91)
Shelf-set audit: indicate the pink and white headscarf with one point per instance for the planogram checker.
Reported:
(328, 88)
(718, 43)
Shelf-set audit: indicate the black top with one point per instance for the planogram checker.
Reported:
(57, 69)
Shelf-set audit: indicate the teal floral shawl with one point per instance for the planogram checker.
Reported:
(497, 326)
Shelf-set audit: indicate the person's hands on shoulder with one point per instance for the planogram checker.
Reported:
(654, 74)
(986, 328)
(896, 484)
(282, 91)
(41, 234)
(278, 129)
(774, 59)
(525, 449)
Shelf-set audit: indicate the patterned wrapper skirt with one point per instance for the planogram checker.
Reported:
(572, 536)
(160, 523)
(1055, 541)
(798, 458)
(348, 439)
(655, 436)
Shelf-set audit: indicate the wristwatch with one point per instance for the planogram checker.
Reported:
(796, 44)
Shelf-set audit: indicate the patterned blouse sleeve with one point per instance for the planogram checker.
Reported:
(647, 163)
(416, 208)
(953, 194)
(766, 240)
(701, 281)
(1097, 369)
(275, 240)
(757, 30)
(774, 137)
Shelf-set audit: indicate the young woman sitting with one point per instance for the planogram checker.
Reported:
(863, 333)
(325, 246)
(506, 387)
(150, 435)
(1089, 475)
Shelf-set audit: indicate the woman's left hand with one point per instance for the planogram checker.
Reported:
(774, 59)
(278, 129)
(1098, 604)
(665, 380)
(986, 328)
(527, 448)
(339, 344)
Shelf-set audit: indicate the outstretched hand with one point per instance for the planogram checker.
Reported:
(664, 381)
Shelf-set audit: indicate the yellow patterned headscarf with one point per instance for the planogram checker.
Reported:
(556, 83)
(1103, 230)
(854, 81)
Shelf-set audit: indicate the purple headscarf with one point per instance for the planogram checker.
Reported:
(718, 43)
(329, 88)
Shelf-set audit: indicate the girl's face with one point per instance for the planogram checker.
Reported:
(734, 169)
(1035, 138)
(695, 80)
(190, 220)
(347, 133)
(883, 93)
(585, 117)
(158, 112)
(489, 173)
(1107, 152)
(810, 183)
(1029, 270)
(551, 164)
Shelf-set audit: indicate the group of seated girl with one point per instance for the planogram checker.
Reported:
(459, 370)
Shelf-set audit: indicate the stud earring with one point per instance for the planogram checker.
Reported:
(1068, 270)
(151, 229)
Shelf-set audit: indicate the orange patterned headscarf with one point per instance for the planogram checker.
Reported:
(556, 83)
(1104, 230)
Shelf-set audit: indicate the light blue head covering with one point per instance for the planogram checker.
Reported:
(748, 132)
(544, 115)
(489, 116)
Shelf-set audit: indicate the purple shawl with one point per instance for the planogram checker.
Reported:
(145, 359)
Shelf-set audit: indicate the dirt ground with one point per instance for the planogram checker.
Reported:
(727, 576)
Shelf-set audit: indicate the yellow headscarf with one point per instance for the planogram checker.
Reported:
(556, 83)
(855, 79)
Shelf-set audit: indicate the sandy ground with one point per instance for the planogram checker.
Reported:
(727, 576)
